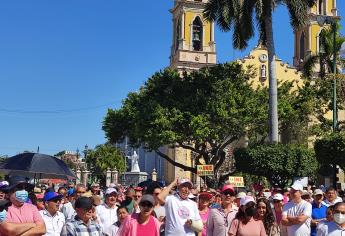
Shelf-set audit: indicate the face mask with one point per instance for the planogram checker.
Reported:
(3, 214)
(21, 196)
(339, 218)
(250, 211)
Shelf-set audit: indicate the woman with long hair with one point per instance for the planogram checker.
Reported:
(244, 223)
(265, 214)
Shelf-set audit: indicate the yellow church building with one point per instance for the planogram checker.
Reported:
(193, 47)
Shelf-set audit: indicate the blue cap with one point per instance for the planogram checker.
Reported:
(70, 192)
(49, 196)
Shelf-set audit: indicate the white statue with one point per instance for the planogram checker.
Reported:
(134, 162)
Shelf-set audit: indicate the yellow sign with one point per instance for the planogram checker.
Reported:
(237, 181)
(204, 170)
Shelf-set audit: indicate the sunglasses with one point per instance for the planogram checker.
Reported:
(228, 193)
(146, 204)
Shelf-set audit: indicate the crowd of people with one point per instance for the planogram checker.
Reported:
(175, 210)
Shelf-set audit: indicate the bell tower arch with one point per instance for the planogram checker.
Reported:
(193, 44)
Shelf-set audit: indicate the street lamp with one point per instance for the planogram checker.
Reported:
(321, 20)
(85, 151)
(330, 20)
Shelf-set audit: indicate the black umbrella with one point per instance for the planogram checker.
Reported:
(36, 165)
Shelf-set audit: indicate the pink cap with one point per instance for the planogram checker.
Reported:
(246, 200)
(228, 187)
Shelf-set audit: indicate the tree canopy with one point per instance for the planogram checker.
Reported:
(203, 111)
(330, 150)
(279, 163)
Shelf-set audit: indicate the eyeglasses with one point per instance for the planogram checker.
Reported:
(80, 192)
(137, 196)
(276, 201)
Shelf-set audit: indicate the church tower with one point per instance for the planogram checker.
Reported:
(193, 45)
(307, 39)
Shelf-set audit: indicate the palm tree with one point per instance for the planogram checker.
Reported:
(325, 55)
(239, 16)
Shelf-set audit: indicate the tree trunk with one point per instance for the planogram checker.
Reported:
(273, 94)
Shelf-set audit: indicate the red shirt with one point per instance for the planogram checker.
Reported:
(148, 229)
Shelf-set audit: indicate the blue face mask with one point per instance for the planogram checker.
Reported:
(3, 214)
(21, 196)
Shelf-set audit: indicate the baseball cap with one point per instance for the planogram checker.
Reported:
(246, 200)
(297, 187)
(305, 193)
(16, 180)
(186, 182)
(317, 192)
(83, 202)
(147, 198)
(110, 190)
(278, 197)
(70, 191)
(205, 195)
(3, 184)
(228, 187)
(241, 195)
(49, 196)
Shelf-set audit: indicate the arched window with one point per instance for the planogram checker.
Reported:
(301, 46)
(178, 34)
(197, 34)
(320, 3)
(263, 71)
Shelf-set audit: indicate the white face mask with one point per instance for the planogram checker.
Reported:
(339, 218)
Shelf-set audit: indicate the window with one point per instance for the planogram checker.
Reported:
(320, 3)
(197, 34)
(263, 71)
(301, 47)
(178, 35)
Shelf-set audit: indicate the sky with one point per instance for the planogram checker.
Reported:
(64, 63)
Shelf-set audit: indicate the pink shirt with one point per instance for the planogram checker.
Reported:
(27, 213)
(252, 228)
(147, 229)
(204, 216)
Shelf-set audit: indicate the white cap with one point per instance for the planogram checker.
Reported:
(110, 190)
(278, 196)
(185, 181)
(246, 200)
(317, 192)
(241, 195)
(191, 196)
(297, 187)
(112, 185)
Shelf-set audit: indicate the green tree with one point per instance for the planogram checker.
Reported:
(103, 157)
(324, 58)
(279, 163)
(238, 15)
(204, 111)
(330, 152)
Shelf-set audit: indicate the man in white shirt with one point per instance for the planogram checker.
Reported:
(297, 213)
(331, 197)
(106, 212)
(67, 208)
(336, 227)
(182, 214)
(54, 220)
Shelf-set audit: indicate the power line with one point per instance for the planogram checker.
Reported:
(59, 111)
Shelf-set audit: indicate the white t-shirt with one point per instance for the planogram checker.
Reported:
(330, 229)
(293, 209)
(55, 225)
(177, 212)
(328, 203)
(107, 217)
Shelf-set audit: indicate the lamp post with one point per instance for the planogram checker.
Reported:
(321, 20)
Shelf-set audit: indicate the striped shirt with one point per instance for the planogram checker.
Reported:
(77, 227)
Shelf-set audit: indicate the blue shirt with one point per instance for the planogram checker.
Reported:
(317, 213)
